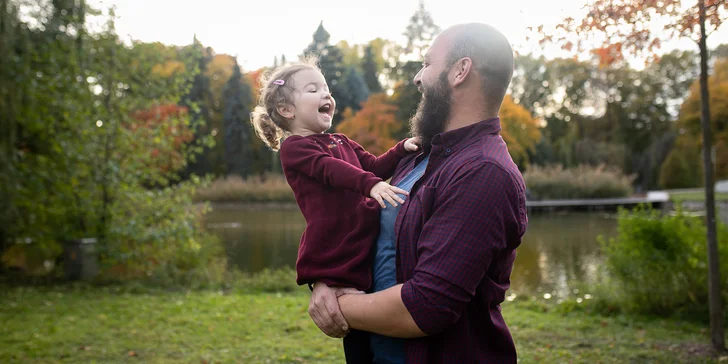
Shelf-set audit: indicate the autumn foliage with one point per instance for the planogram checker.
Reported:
(689, 120)
(161, 130)
(373, 126)
(631, 27)
(519, 129)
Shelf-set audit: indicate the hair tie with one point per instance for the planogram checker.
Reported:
(279, 82)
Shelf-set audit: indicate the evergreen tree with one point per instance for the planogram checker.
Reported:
(237, 95)
(332, 66)
(371, 72)
(420, 32)
(355, 88)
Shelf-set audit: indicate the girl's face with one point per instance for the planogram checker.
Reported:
(313, 107)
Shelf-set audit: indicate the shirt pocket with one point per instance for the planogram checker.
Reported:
(426, 200)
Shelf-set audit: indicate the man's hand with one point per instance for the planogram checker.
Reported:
(324, 309)
(384, 191)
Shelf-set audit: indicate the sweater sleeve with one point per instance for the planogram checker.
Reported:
(382, 166)
(309, 158)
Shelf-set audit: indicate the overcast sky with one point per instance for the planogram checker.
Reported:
(256, 31)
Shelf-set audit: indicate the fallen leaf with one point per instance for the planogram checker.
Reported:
(132, 353)
(84, 348)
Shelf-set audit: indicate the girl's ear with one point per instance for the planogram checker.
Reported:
(287, 111)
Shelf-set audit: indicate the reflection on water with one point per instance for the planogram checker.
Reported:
(557, 251)
(560, 250)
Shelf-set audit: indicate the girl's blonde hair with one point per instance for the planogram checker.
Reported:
(277, 89)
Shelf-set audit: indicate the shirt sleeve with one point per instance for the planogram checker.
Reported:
(382, 166)
(471, 222)
(309, 158)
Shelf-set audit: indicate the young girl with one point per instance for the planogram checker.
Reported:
(331, 177)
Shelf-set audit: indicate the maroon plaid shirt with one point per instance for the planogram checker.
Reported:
(456, 241)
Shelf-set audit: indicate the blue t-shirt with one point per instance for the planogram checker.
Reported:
(387, 349)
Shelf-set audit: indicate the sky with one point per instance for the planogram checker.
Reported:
(257, 31)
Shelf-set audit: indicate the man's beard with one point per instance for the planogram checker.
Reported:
(433, 112)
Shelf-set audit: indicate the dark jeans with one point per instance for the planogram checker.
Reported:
(357, 348)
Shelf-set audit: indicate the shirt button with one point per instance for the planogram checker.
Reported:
(447, 150)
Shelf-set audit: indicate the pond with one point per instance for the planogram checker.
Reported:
(558, 251)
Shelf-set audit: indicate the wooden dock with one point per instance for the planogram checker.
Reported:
(655, 198)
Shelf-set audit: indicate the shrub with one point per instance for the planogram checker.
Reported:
(268, 188)
(557, 182)
(683, 168)
(658, 264)
(159, 235)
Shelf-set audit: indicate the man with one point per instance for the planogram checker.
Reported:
(458, 230)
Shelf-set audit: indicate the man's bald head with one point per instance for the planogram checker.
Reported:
(491, 54)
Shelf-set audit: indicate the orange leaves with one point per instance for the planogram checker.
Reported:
(634, 27)
(609, 54)
(373, 126)
(253, 78)
(161, 129)
(159, 113)
(519, 129)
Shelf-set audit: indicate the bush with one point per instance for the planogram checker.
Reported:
(267, 188)
(658, 264)
(683, 168)
(556, 182)
(159, 236)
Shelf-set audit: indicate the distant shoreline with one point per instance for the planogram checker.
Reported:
(253, 206)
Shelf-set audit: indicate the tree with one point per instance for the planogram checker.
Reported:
(237, 96)
(623, 27)
(532, 84)
(373, 127)
(331, 62)
(689, 120)
(351, 54)
(371, 70)
(165, 124)
(407, 61)
(679, 169)
(420, 33)
(519, 130)
(354, 89)
(197, 100)
(218, 73)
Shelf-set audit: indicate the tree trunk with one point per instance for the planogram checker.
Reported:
(716, 307)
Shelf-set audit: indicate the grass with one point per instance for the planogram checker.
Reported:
(119, 325)
(698, 196)
(259, 189)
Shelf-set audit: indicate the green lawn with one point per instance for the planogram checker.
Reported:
(695, 196)
(107, 325)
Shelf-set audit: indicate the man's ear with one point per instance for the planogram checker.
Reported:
(286, 110)
(461, 70)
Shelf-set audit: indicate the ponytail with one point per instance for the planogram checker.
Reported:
(267, 130)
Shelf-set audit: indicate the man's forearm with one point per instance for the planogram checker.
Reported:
(383, 313)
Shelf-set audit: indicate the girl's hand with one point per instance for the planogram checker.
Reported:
(412, 144)
(384, 191)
